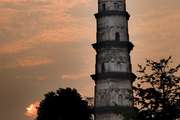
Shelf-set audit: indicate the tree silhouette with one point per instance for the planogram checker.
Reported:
(64, 104)
(157, 91)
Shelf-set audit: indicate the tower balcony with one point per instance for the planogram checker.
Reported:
(112, 13)
(111, 44)
(114, 76)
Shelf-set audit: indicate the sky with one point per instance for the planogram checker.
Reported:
(46, 44)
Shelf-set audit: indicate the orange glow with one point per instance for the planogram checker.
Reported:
(31, 110)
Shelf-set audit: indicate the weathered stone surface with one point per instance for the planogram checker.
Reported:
(113, 75)
(109, 116)
(111, 5)
(112, 61)
(113, 97)
(110, 27)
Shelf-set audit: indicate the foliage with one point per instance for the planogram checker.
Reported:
(64, 104)
(157, 91)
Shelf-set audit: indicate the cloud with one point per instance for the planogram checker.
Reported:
(73, 76)
(31, 110)
(33, 62)
(14, 47)
(26, 62)
(153, 31)
(41, 40)
(29, 23)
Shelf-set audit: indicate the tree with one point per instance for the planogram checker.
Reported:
(64, 104)
(157, 91)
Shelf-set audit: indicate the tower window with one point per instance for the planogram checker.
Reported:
(103, 68)
(116, 5)
(104, 7)
(117, 36)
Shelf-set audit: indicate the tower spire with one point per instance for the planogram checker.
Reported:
(113, 75)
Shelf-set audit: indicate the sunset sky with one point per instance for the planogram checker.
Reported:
(46, 44)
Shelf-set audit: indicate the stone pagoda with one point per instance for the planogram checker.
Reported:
(113, 74)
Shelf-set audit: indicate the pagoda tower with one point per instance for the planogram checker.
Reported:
(113, 75)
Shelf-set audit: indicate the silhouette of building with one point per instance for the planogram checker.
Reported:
(113, 75)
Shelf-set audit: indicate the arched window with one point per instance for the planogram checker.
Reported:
(104, 7)
(116, 5)
(117, 36)
(103, 68)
